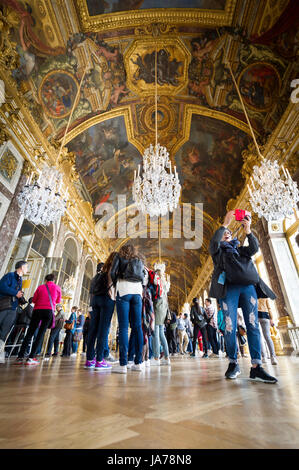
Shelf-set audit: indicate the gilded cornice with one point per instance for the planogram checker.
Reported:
(37, 150)
(134, 18)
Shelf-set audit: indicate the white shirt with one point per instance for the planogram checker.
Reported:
(124, 287)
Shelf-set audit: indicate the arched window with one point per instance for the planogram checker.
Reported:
(85, 296)
(69, 261)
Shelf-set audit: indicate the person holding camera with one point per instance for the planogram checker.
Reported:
(236, 283)
(11, 295)
(45, 299)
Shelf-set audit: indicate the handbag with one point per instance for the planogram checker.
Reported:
(53, 313)
(6, 303)
(69, 326)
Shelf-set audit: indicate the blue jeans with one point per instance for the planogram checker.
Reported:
(129, 306)
(150, 346)
(102, 311)
(131, 347)
(160, 337)
(244, 297)
(54, 339)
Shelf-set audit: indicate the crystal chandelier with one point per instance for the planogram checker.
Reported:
(272, 196)
(157, 191)
(41, 202)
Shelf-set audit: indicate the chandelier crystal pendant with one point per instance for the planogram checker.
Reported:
(272, 196)
(157, 191)
(41, 202)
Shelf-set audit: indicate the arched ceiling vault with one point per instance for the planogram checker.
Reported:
(200, 118)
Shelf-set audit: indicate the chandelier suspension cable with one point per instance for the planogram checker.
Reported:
(156, 97)
(242, 104)
(71, 115)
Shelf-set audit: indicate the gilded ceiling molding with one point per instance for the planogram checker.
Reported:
(134, 18)
(123, 111)
(191, 109)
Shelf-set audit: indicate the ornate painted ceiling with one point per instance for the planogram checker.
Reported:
(112, 44)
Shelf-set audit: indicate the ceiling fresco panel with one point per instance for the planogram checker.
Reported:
(99, 7)
(106, 161)
(209, 163)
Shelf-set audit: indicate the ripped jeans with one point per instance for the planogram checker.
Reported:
(244, 297)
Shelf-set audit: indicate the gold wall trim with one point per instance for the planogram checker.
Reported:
(133, 18)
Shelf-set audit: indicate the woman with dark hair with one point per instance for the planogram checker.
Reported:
(45, 299)
(103, 304)
(127, 274)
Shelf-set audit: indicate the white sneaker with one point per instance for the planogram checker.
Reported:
(165, 362)
(274, 361)
(74, 354)
(129, 365)
(147, 363)
(110, 358)
(2, 345)
(264, 360)
(155, 362)
(137, 367)
(120, 369)
(2, 357)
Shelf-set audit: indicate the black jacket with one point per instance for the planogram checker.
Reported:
(129, 269)
(197, 315)
(222, 262)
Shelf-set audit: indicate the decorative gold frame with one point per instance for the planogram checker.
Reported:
(52, 72)
(250, 106)
(149, 45)
(171, 16)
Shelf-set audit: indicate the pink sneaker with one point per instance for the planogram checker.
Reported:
(102, 365)
(90, 364)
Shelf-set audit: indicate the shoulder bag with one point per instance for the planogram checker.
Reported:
(51, 303)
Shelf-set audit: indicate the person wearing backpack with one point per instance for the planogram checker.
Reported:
(55, 332)
(199, 325)
(236, 283)
(103, 303)
(10, 295)
(127, 274)
(45, 299)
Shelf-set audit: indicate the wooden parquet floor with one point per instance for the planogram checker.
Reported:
(59, 405)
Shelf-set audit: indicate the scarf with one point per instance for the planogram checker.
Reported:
(230, 247)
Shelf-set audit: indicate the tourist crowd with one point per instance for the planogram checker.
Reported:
(139, 294)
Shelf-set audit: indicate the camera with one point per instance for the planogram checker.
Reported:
(241, 214)
(22, 300)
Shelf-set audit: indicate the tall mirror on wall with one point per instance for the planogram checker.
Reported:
(33, 244)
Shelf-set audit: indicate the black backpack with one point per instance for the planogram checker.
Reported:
(99, 284)
(134, 270)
